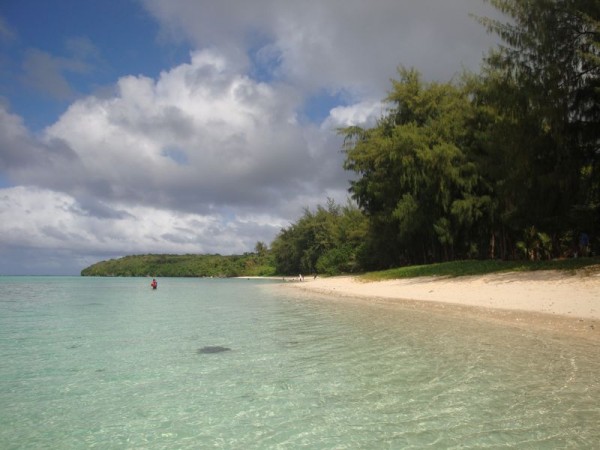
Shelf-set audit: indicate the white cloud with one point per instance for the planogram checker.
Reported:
(337, 44)
(362, 113)
(49, 220)
(199, 136)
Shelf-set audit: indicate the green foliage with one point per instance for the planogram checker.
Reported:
(535, 245)
(472, 268)
(501, 164)
(327, 241)
(417, 181)
(249, 264)
(541, 90)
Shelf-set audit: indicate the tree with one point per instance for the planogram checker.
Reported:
(327, 240)
(416, 181)
(543, 85)
(261, 249)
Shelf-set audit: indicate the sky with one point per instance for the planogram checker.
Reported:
(195, 126)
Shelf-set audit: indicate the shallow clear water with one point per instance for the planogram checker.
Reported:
(109, 363)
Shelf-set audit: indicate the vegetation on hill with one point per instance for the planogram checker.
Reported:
(249, 264)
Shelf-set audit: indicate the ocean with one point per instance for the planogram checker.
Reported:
(110, 363)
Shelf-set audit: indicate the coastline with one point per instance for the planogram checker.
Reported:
(553, 300)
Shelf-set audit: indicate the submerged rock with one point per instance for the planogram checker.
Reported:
(213, 349)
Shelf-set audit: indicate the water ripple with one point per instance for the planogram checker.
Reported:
(302, 373)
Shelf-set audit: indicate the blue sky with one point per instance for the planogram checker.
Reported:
(103, 40)
(194, 126)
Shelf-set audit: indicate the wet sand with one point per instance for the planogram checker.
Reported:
(558, 301)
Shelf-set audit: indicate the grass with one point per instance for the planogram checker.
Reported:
(466, 268)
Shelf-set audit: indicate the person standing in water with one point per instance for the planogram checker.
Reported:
(154, 283)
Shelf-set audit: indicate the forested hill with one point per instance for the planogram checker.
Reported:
(249, 264)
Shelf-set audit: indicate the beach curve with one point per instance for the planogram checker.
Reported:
(555, 299)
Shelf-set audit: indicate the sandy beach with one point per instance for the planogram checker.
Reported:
(555, 300)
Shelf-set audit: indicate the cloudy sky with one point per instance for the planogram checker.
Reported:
(194, 126)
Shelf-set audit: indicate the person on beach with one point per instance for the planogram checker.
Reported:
(154, 283)
(584, 242)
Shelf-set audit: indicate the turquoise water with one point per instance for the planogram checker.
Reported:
(109, 363)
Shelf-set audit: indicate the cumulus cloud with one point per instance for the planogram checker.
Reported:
(338, 44)
(200, 137)
(363, 113)
(26, 159)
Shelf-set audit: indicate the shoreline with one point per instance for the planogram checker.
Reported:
(552, 300)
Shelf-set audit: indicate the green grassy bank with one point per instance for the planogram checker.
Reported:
(467, 268)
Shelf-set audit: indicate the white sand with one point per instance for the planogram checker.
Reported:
(558, 295)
